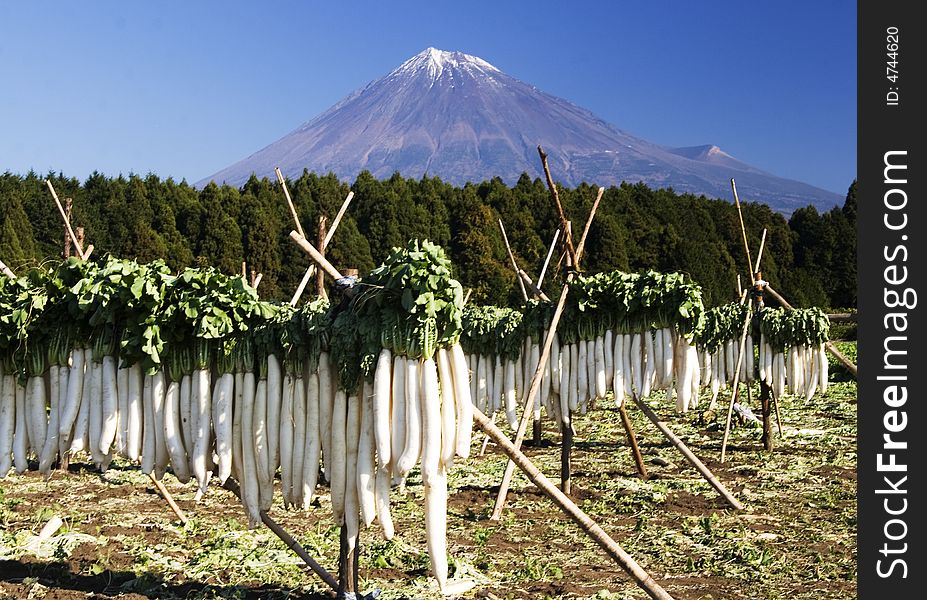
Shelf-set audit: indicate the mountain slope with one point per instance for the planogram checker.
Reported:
(458, 117)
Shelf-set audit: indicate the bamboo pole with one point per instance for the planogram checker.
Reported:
(590, 527)
(289, 201)
(553, 244)
(632, 440)
(699, 465)
(582, 238)
(67, 223)
(829, 346)
(730, 406)
(759, 256)
(303, 243)
(169, 498)
(521, 284)
(535, 290)
(743, 229)
(287, 539)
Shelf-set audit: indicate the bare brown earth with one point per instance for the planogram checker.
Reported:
(795, 539)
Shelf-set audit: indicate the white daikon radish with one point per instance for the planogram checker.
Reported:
(367, 462)
(380, 406)
(172, 436)
(431, 421)
(339, 449)
(448, 409)
(313, 441)
(412, 448)
(436, 525)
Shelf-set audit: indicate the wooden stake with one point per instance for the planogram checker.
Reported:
(521, 284)
(765, 408)
(320, 280)
(347, 566)
(566, 454)
(829, 346)
(289, 201)
(632, 440)
(776, 405)
(590, 527)
(693, 460)
(170, 499)
(568, 239)
(287, 539)
(68, 203)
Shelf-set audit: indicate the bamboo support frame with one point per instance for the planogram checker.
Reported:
(320, 278)
(310, 271)
(693, 460)
(527, 413)
(535, 385)
(590, 527)
(67, 223)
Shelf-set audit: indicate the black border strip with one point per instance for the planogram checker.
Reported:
(891, 255)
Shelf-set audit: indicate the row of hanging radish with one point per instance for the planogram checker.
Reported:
(618, 364)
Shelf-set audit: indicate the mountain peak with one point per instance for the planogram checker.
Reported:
(455, 116)
(435, 62)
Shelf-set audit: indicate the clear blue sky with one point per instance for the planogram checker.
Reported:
(183, 89)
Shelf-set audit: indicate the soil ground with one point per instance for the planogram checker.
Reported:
(796, 538)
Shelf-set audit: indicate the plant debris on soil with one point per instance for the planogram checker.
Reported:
(795, 539)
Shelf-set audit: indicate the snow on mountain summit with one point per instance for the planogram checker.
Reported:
(456, 116)
(435, 61)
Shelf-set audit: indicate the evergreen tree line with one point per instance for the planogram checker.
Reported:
(810, 258)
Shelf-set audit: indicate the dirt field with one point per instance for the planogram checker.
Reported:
(796, 539)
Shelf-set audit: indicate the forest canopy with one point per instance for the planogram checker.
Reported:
(809, 257)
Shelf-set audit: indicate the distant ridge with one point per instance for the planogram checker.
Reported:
(456, 116)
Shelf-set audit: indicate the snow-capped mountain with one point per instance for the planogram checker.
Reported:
(456, 116)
